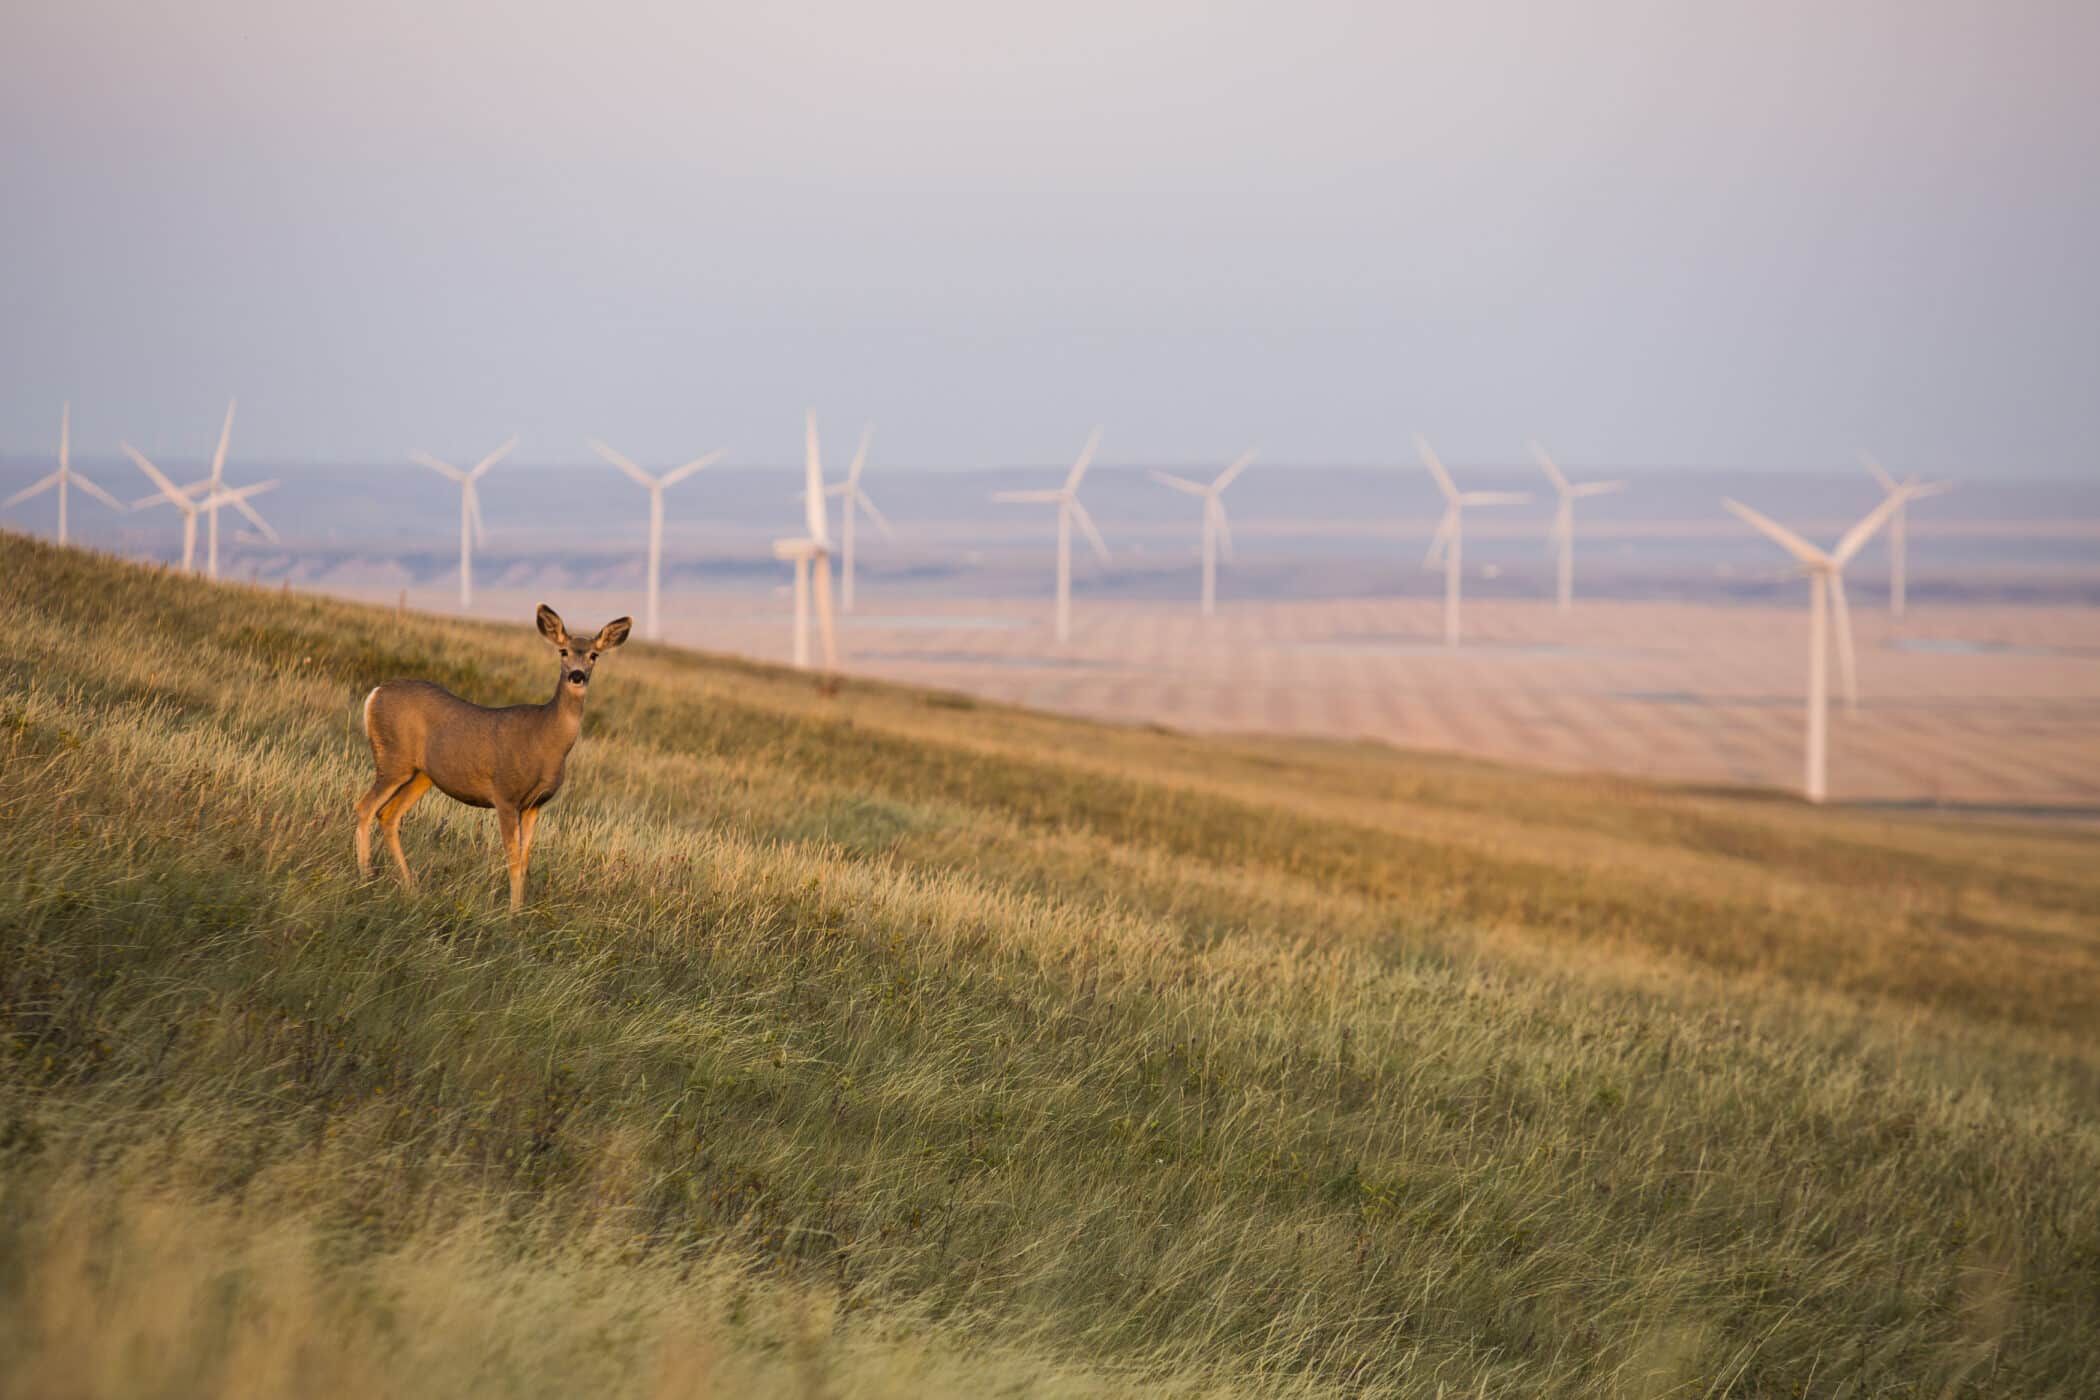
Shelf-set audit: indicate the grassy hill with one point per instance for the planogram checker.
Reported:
(891, 1043)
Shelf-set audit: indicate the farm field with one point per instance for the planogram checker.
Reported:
(903, 1042)
(1993, 706)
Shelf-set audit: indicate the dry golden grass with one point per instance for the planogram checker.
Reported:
(1019, 1052)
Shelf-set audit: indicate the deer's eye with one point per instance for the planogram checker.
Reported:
(564, 651)
(594, 656)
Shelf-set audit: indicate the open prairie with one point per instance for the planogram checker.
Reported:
(893, 1042)
(1963, 706)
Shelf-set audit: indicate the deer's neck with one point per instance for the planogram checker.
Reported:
(564, 715)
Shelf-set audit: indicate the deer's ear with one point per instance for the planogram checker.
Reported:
(551, 628)
(613, 633)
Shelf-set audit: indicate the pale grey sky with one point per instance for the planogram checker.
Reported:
(1718, 235)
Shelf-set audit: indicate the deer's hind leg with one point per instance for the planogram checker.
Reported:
(390, 815)
(376, 796)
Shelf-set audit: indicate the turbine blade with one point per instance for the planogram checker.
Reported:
(254, 518)
(641, 478)
(1179, 483)
(672, 478)
(873, 514)
(153, 474)
(481, 530)
(860, 456)
(1442, 537)
(1029, 497)
(97, 492)
(813, 487)
(445, 469)
(498, 455)
(218, 458)
(1494, 498)
(1436, 468)
(1888, 483)
(1086, 525)
(1856, 537)
(26, 492)
(1560, 483)
(1848, 659)
(231, 496)
(1231, 473)
(1793, 544)
(1215, 508)
(1917, 493)
(1086, 459)
(1598, 488)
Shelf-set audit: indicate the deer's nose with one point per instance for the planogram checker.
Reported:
(579, 678)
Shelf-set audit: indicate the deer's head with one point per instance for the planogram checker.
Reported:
(580, 655)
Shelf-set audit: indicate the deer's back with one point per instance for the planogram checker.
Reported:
(473, 753)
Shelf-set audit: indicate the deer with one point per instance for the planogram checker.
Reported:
(508, 758)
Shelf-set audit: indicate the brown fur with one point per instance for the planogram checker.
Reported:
(509, 759)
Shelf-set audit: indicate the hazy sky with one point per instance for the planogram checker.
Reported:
(1651, 233)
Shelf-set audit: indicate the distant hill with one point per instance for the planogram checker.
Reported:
(1299, 531)
(889, 1042)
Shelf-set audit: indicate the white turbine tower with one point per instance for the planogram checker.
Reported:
(65, 476)
(1068, 510)
(1449, 540)
(811, 554)
(655, 485)
(1216, 532)
(856, 501)
(190, 506)
(1909, 489)
(470, 526)
(1826, 579)
(1564, 521)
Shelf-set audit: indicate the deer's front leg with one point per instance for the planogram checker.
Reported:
(513, 854)
(527, 820)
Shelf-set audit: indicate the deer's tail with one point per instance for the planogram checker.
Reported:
(364, 714)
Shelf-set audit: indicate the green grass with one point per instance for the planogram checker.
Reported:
(878, 1044)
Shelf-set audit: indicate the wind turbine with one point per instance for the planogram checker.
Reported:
(811, 553)
(1068, 510)
(190, 506)
(212, 484)
(1449, 540)
(1215, 530)
(656, 485)
(856, 500)
(1909, 489)
(1826, 578)
(470, 526)
(1563, 534)
(64, 476)
(215, 495)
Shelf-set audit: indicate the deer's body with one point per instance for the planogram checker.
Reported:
(509, 759)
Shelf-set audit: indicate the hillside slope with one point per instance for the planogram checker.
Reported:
(894, 1043)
